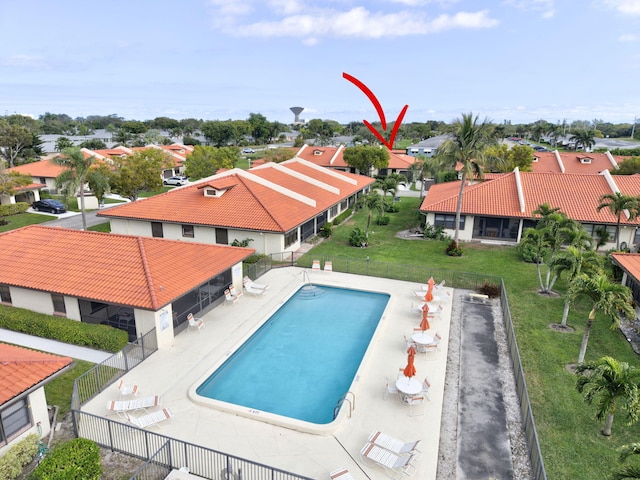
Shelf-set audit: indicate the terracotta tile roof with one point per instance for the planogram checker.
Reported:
(265, 198)
(629, 262)
(21, 369)
(576, 195)
(574, 162)
(333, 157)
(44, 168)
(140, 272)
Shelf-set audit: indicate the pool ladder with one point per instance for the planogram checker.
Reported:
(305, 274)
(343, 398)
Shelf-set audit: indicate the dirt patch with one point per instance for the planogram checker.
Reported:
(561, 328)
(411, 234)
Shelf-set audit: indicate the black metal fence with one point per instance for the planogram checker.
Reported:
(531, 435)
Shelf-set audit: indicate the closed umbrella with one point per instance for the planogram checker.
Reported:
(424, 324)
(429, 295)
(410, 370)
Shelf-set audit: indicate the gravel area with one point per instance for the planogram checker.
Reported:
(448, 455)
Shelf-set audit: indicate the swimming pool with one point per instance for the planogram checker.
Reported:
(300, 362)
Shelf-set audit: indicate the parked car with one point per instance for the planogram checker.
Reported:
(48, 205)
(248, 150)
(177, 180)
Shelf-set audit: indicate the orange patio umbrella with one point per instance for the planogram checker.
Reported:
(429, 295)
(424, 324)
(410, 370)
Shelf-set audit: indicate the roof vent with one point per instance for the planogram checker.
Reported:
(317, 152)
(535, 159)
(585, 160)
(213, 192)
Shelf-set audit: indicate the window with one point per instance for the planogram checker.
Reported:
(592, 229)
(290, 237)
(156, 230)
(14, 420)
(333, 212)
(5, 294)
(222, 236)
(448, 221)
(58, 304)
(187, 231)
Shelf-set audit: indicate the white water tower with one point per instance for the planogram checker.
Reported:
(297, 111)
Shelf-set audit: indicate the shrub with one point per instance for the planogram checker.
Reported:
(383, 220)
(454, 249)
(391, 208)
(17, 457)
(435, 233)
(254, 258)
(13, 208)
(326, 230)
(489, 289)
(341, 218)
(529, 255)
(241, 243)
(77, 458)
(102, 337)
(358, 237)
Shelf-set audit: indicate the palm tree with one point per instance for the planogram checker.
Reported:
(609, 383)
(467, 148)
(72, 180)
(608, 297)
(584, 138)
(618, 203)
(372, 201)
(388, 184)
(628, 471)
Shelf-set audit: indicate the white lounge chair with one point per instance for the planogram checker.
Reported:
(392, 463)
(254, 291)
(259, 286)
(150, 419)
(328, 266)
(234, 292)
(127, 388)
(315, 265)
(341, 474)
(426, 385)
(393, 444)
(195, 322)
(122, 406)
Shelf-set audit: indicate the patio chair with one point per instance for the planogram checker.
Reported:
(195, 322)
(426, 385)
(393, 444)
(408, 343)
(150, 419)
(254, 291)
(390, 387)
(412, 401)
(230, 298)
(433, 346)
(328, 266)
(127, 388)
(341, 474)
(234, 292)
(393, 464)
(315, 265)
(120, 407)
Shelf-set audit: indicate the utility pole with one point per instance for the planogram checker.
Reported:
(633, 129)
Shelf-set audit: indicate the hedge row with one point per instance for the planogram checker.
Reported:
(12, 462)
(341, 218)
(76, 459)
(101, 337)
(13, 208)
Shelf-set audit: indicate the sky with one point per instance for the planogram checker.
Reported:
(514, 60)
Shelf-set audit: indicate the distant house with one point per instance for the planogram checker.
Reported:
(133, 283)
(23, 405)
(49, 140)
(500, 208)
(427, 147)
(42, 173)
(275, 206)
(177, 152)
(575, 162)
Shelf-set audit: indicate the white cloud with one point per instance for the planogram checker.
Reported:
(21, 60)
(287, 7)
(629, 7)
(362, 23)
(629, 37)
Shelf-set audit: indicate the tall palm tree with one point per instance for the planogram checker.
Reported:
(372, 201)
(610, 383)
(628, 471)
(467, 148)
(608, 297)
(584, 138)
(72, 180)
(617, 203)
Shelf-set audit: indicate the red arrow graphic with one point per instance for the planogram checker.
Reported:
(378, 107)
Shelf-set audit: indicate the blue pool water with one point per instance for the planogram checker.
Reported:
(304, 358)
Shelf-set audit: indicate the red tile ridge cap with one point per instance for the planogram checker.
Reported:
(328, 171)
(273, 186)
(301, 176)
(145, 267)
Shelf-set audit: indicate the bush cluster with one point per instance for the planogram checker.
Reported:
(101, 337)
(326, 230)
(12, 463)
(13, 208)
(454, 249)
(383, 220)
(436, 233)
(342, 217)
(254, 258)
(77, 458)
(489, 289)
(357, 237)
(391, 208)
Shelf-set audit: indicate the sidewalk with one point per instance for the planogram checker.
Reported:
(53, 346)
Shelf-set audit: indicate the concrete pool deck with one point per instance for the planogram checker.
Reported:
(172, 372)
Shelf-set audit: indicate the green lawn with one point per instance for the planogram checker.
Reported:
(22, 220)
(568, 430)
(58, 391)
(101, 227)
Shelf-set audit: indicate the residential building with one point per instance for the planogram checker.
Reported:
(575, 162)
(134, 283)
(23, 404)
(427, 147)
(500, 208)
(274, 207)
